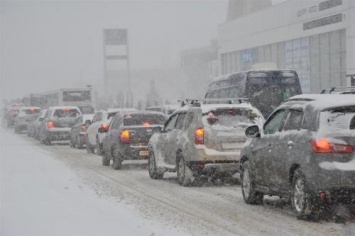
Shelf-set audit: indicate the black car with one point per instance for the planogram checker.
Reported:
(78, 136)
(128, 136)
(305, 151)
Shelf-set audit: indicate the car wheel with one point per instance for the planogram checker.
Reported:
(300, 197)
(72, 143)
(106, 159)
(98, 147)
(152, 167)
(184, 173)
(79, 144)
(89, 148)
(116, 161)
(250, 196)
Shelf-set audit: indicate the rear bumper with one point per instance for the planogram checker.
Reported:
(58, 134)
(214, 168)
(131, 152)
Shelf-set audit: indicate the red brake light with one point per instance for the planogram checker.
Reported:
(83, 128)
(146, 123)
(50, 124)
(104, 126)
(323, 145)
(199, 135)
(124, 136)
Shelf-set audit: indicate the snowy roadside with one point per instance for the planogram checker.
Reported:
(41, 196)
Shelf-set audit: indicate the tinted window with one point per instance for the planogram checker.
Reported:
(76, 96)
(65, 112)
(169, 126)
(274, 123)
(294, 120)
(339, 118)
(189, 119)
(143, 119)
(230, 117)
(32, 111)
(180, 120)
(116, 122)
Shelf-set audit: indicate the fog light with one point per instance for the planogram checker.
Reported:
(322, 194)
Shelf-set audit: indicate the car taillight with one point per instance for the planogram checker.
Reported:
(124, 136)
(199, 135)
(104, 126)
(323, 145)
(50, 124)
(83, 128)
(145, 123)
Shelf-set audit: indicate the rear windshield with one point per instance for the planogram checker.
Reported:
(339, 119)
(231, 117)
(32, 111)
(144, 119)
(66, 112)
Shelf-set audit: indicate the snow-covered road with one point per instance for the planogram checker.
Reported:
(57, 190)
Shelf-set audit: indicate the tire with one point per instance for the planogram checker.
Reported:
(184, 173)
(250, 196)
(106, 159)
(89, 148)
(152, 167)
(116, 161)
(72, 144)
(300, 197)
(79, 144)
(99, 150)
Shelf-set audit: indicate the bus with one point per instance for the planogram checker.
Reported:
(33, 100)
(265, 89)
(80, 97)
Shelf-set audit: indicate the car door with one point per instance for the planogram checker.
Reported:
(291, 147)
(264, 149)
(162, 145)
(172, 139)
(113, 133)
(93, 128)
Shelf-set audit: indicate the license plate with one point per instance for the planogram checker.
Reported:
(143, 153)
(234, 145)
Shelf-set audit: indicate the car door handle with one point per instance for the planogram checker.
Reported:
(290, 144)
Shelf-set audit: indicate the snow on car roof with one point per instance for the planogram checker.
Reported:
(208, 107)
(325, 101)
(64, 107)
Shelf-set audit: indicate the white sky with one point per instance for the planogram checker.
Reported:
(51, 44)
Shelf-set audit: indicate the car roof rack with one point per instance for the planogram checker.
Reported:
(342, 90)
(198, 102)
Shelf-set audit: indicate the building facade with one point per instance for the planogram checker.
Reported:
(314, 37)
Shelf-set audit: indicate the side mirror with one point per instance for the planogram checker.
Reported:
(40, 119)
(252, 131)
(88, 122)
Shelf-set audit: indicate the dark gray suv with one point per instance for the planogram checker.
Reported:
(304, 151)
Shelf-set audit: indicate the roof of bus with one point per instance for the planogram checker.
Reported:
(63, 107)
(226, 76)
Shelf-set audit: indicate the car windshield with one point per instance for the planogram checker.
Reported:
(143, 119)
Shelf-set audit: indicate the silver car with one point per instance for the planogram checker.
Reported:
(201, 139)
(57, 123)
(25, 116)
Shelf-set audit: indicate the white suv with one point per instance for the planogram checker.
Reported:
(201, 139)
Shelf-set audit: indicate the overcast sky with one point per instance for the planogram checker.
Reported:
(52, 44)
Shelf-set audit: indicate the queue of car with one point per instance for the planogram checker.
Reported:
(304, 151)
